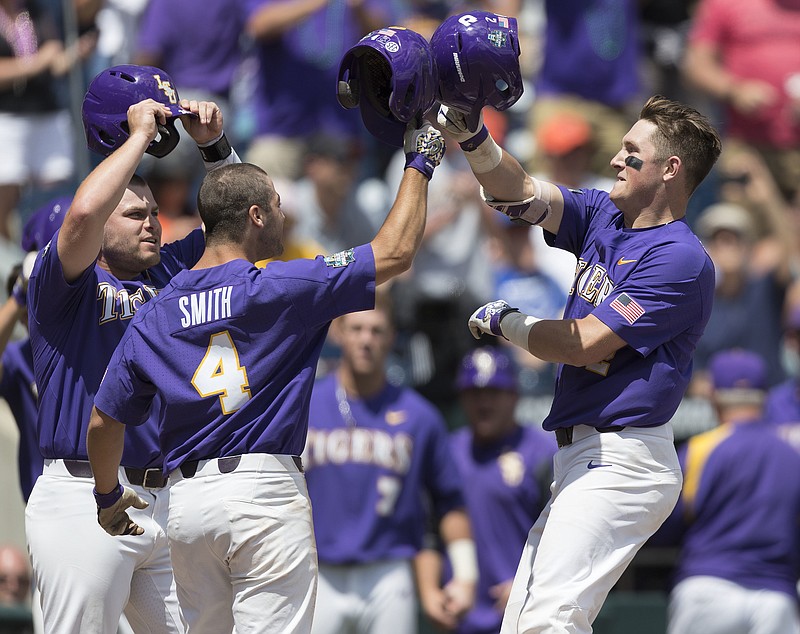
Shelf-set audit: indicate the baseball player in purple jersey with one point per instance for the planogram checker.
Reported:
(639, 303)
(375, 452)
(100, 268)
(737, 516)
(17, 383)
(506, 471)
(231, 350)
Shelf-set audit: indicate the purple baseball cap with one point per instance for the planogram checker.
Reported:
(44, 222)
(738, 376)
(489, 367)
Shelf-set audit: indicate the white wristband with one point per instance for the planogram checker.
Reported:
(463, 560)
(485, 157)
(516, 327)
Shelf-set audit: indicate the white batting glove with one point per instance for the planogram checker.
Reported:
(424, 147)
(111, 513)
(486, 320)
(454, 122)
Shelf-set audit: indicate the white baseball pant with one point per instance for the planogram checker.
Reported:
(85, 576)
(372, 598)
(242, 544)
(610, 493)
(710, 605)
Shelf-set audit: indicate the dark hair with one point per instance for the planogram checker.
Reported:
(137, 181)
(683, 132)
(225, 196)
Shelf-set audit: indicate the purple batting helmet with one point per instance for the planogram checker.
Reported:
(390, 76)
(44, 222)
(487, 367)
(477, 61)
(112, 92)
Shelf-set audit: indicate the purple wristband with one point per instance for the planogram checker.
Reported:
(105, 500)
(421, 163)
(472, 144)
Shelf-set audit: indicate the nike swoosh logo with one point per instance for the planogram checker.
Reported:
(592, 465)
(622, 261)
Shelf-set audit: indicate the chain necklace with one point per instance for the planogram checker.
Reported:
(344, 405)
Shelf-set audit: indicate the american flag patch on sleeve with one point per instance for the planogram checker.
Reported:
(502, 21)
(627, 307)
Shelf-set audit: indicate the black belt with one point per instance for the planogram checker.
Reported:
(147, 478)
(225, 465)
(564, 434)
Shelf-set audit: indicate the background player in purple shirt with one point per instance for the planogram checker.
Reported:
(738, 514)
(375, 453)
(231, 350)
(506, 471)
(17, 383)
(641, 298)
(102, 265)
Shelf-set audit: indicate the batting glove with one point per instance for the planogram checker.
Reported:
(454, 122)
(424, 148)
(111, 513)
(486, 320)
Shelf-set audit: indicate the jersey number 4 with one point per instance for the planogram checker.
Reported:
(221, 373)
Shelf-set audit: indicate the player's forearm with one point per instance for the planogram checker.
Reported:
(576, 342)
(105, 440)
(400, 235)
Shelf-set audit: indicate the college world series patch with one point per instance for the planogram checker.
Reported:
(338, 260)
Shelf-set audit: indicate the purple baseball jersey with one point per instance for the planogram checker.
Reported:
(211, 59)
(506, 485)
(654, 288)
(232, 350)
(783, 403)
(367, 478)
(304, 62)
(74, 329)
(738, 514)
(18, 388)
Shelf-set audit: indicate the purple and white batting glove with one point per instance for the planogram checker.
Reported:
(424, 148)
(486, 320)
(454, 122)
(111, 509)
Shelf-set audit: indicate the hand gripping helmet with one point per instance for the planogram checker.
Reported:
(112, 92)
(389, 74)
(477, 61)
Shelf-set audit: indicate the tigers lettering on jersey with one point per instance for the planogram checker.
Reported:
(592, 282)
(119, 303)
(359, 446)
(205, 306)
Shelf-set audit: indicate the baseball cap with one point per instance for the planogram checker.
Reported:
(738, 376)
(44, 222)
(728, 216)
(562, 133)
(487, 367)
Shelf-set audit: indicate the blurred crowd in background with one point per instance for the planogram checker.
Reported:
(589, 65)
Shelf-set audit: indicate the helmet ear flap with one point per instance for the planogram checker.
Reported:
(348, 88)
(168, 139)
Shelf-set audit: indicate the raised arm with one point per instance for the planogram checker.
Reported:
(81, 235)
(505, 184)
(399, 237)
